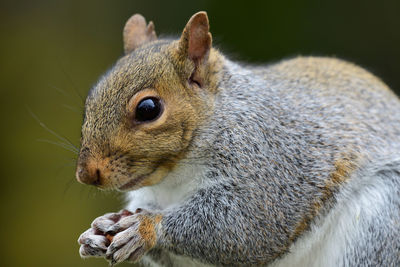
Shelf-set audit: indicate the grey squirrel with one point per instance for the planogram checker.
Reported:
(292, 164)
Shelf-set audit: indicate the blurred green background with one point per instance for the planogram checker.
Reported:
(53, 51)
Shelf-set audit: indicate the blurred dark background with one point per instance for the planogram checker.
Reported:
(53, 51)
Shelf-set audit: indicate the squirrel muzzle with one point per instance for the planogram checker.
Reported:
(91, 172)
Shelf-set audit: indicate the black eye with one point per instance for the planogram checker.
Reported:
(148, 109)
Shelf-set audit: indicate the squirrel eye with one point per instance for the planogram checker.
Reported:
(148, 109)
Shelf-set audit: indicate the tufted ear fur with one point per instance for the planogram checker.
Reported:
(137, 32)
(195, 42)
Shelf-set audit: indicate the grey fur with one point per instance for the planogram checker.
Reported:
(378, 243)
(270, 146)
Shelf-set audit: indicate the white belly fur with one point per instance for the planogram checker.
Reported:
(330, 236)
(172, 190)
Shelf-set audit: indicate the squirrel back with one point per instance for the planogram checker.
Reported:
(294, 163)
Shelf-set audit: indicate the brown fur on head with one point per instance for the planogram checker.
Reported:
(120, 152)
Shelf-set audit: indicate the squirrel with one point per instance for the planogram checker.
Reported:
(295, 163)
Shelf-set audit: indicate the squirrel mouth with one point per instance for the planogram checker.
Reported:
(132, 183)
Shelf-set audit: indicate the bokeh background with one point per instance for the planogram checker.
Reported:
(53, 51)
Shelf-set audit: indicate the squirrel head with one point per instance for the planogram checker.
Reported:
(141, 116)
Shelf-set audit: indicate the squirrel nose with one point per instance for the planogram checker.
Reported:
(88, 176)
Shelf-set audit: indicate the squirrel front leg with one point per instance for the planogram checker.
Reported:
(222, 224)
(214, 225)
(226, 223)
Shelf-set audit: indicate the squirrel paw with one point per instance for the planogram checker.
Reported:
(92, 244)
(94, 241)
(132, 236)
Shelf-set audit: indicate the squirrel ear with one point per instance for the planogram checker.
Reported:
(195, 41)
(137, 32)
